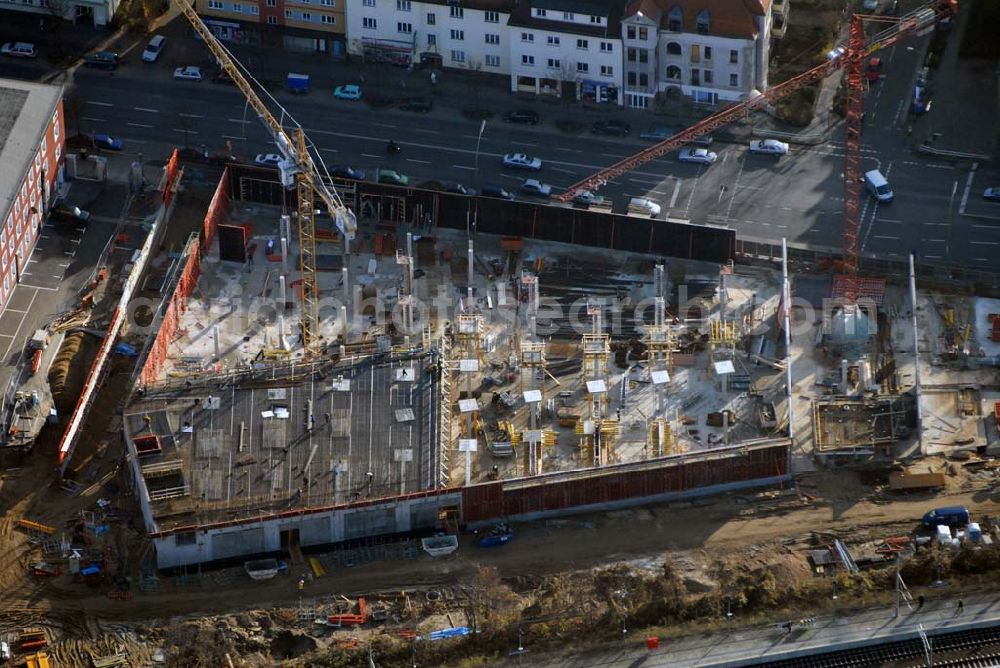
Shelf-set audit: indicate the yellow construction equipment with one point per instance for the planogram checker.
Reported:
(309, 182)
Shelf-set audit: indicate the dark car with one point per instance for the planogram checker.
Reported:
(611, 128)
(493, 190)
(67, 212)
(102, 60)
(457, 188)
(527, 116)
(419, 104)
(347, 172)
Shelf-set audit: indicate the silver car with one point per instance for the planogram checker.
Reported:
(701, 156)
(522, 161)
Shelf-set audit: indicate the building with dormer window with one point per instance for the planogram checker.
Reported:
(708, 50)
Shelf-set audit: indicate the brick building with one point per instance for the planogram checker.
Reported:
(298, 25)
(32, 155)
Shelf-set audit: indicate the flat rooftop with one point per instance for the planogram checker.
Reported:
(25, 111)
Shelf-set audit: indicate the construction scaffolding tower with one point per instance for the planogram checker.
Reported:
(597, 431)
(532, 357)
(470, 361)
(660, 343)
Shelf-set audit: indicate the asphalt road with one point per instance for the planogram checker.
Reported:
(938, 210)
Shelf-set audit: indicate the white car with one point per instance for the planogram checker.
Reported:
(769, 147)
(189, 73)
(19, 50)
(701, 156)
(536, 187)
(522, 161)
(267, 159)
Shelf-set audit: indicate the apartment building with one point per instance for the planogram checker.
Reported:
(298, 25)
(471, 34)
(32, 156)
(570, 49)
(708, 50)
(80, 12)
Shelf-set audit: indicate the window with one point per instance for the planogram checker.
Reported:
(403, 27)
(458, 35)
(55, 127)
(675, 19)
(695, 53)
(673, 49)
(288, 13)
(553, 40)
(329, 20)
(527, 60)
(607, 47)
(491, 17)
(255, 10)
(368, 3)
(631, 55)
(540, 12)
(492, 60)
(583, 68)
(272, 3)
(554, 64)
(369, 23)
(707, 75)
(458, 56)
(643, 79)
(734, 56)
(630, 32)
(607, 71)
(695, 77)
(272, 20)
(431, 19)
(674, 73)
(328, 3)
(432, 40)
(306, 16)
(214, 4)
(734, 80)
(457, 13)
(238, 8)
(643, 32)
(582, 44)
(403, 5)
(701, 25)
(492, 38)
(597, 20)
(643, 56)
(185, 538)
(631, 79)
(527, 37)
(568, 16)
(707, 52)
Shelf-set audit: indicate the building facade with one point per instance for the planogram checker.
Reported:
(708, 50)
(32, 159)
(299, 25)
(469, 35)
(568, 49)
(82, 12)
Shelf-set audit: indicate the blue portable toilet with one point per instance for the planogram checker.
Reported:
(297, 83)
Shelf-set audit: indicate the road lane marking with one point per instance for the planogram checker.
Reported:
(100, 104)
(92, 119)
(138, 125)
(330, 150)
(984, 227)
(369, 155)
(879, 236)
(147, 110)
(381, 125)
(430, 132)
(985, 243)
(190, 132)
(422, 162)
(238, 120)
(673, 198)
(650, 182)
(471, 169)
(889, 220)
(613, 155)
(523, 143)
(191, 115)
(566, 150)
(232, 137)
(968, 187)
(939, 241)
(564, 171)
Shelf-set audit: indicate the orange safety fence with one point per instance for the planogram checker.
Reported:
(218, 210)
(172, 172)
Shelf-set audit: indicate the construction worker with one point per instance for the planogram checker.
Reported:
(302, 584)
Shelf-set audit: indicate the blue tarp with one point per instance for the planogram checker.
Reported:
(454, 632)
(125, 349)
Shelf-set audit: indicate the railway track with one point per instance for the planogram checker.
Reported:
(975, 648)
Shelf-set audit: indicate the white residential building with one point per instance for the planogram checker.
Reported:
(708, 50)
(567, 48)
(80, 12)
(471, 34)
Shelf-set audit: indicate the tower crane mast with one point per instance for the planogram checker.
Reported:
(298, 169)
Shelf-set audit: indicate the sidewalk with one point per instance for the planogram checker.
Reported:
(752, 646)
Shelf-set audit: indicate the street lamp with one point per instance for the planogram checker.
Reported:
(482, 127)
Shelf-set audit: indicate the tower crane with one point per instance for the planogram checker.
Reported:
(297, 169)
(850, 57)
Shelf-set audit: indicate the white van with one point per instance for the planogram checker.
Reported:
(153, 49)
(878, 186)
(642, 206)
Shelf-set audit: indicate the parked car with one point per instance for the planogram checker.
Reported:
(536, 187)
(657, 133)
(267, 159)
(19, 50)
(643, 206)
(188, 73)
(154, 48)
(102, 60)
(65, 211)
(587, 197)
(457, 188)
(836, 52)
(952, 516)
(522, 161)
(527, 116)
(612, 128)
(348, 92)
(992, 194)
(102, 140)
(769, 147)
(493, 190)
(420, 105)
(347, 172)
(392, 177)
(700, 156)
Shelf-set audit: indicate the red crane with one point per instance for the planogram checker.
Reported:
(852, 57)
